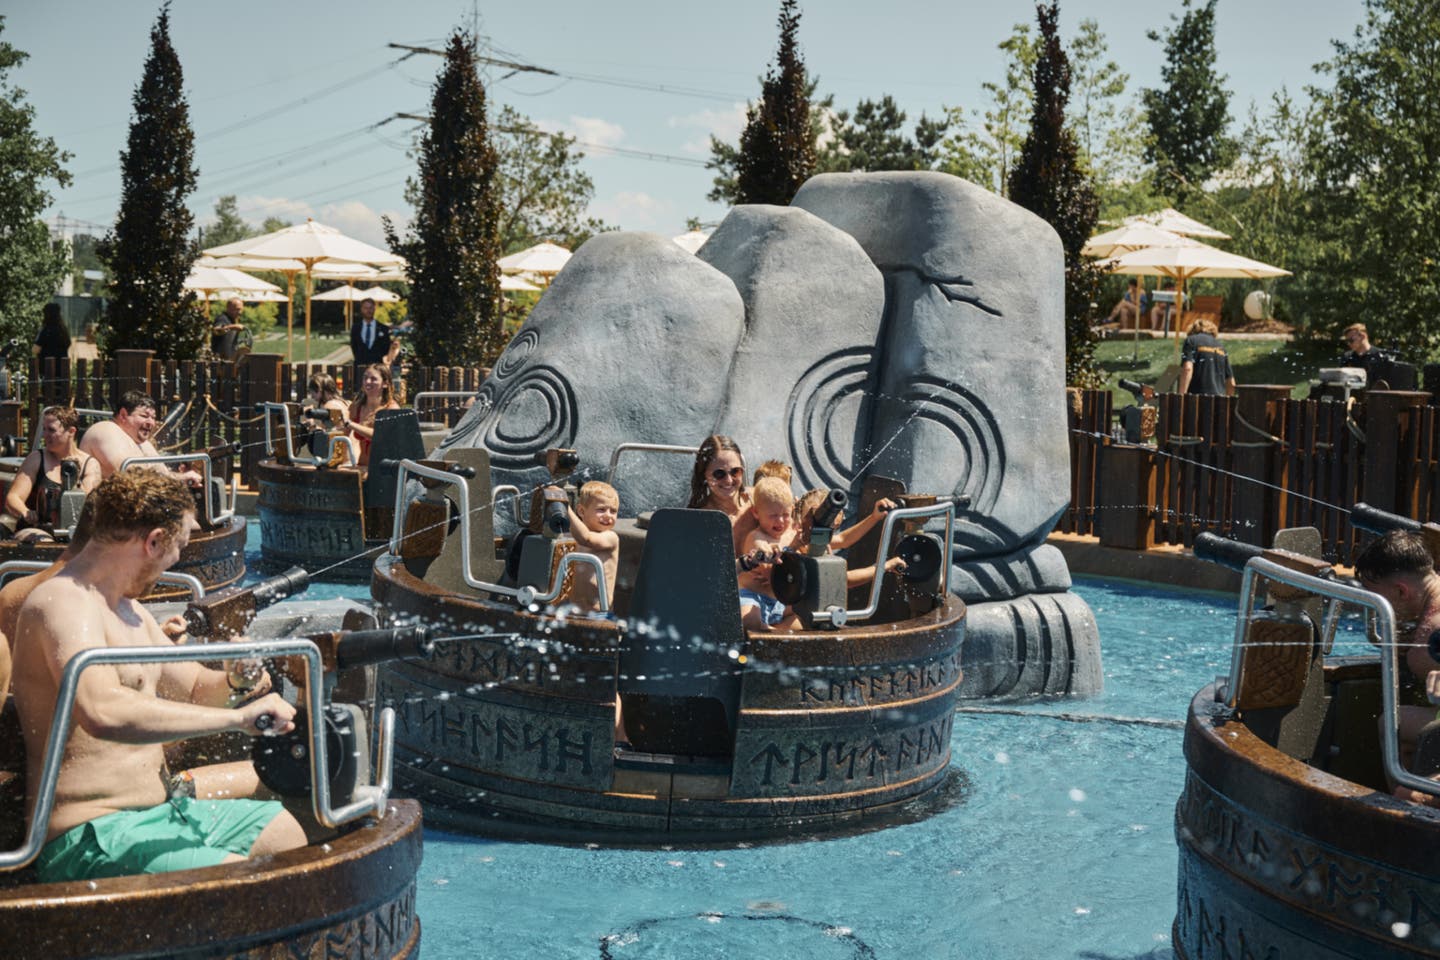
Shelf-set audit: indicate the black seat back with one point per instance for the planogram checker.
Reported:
(678, 677)
(445, 571)
(397, 437)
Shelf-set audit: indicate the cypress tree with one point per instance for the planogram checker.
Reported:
(777, 146)
(1191, 111)
(454, 240)
(149, 250)
(1050, 181)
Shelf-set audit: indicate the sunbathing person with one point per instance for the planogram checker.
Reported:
(113, 812)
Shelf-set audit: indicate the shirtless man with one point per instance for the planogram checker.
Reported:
(592, 524)
(127, 435)
(1398, 567)
(114, 811)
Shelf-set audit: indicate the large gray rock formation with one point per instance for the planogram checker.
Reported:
(907, 325)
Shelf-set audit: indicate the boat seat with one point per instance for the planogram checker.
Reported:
(1282, 686)
(397, 437)
(679, 676)
(445, 571)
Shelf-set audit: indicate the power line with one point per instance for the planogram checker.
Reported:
(621, 151)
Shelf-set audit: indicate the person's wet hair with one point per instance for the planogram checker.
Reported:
(132, 400)
(1398, 552)
(133, 502)
(709, 447)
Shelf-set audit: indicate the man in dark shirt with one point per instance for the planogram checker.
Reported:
(1204, 365)
(1360, 353)
(370, 340)
(224, 337)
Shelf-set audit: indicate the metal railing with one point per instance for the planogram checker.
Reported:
(269, 407)
(837, 617)
(369, 800)
(172, 578)
(525, 595)
(646, 447)
(176, 459)
(1333, 591)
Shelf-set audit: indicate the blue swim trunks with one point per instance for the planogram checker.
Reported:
(772, 611)
(177, 835)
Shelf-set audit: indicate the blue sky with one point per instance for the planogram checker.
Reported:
(285, 96)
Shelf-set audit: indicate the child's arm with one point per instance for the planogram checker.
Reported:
(592, 540)
(863, 575)
(845, 538)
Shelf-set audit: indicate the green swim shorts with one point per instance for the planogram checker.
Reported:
(176, 835)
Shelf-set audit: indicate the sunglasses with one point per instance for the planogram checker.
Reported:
(734, 473)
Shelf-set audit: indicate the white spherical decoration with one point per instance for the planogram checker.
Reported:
(1257, 305)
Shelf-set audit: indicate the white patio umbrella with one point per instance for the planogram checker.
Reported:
(1176, 222)
(252, 296)
(310, 244)
(346, 293)
(692, 240)
(211, 280)
(1124, 239)
(545, 259)
(379, 295)
(512, 284)
(1190, 261)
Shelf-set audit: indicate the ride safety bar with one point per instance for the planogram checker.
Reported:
(647, 448)
(523, 596)
(271, 406)
(176, 459)
(172, 578)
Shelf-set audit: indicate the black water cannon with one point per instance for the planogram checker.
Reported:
(454, 469)
(228, 613)
(1380, 522)
(1138, 420)
(559, 462)
(283, 762)
(554, 512)
(827, 514)
(1235, 555)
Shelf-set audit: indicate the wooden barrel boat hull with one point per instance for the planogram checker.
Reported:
(352, 897)
(216, 557)
(512, 732)
(1281, 859)
(314, 518)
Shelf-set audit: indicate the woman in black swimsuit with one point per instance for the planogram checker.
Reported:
(34, 497)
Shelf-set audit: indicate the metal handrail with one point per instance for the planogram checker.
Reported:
(439, 394)
(371, 800)
(173, 578)
(648, 447)
(211, 518)
(1384, 614)
(838, 617)
(271, 406)
(514, 491)
(523, 596)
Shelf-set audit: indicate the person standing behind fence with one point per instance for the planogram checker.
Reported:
(370, 340)
(53, 340)
(224, 336)
(1360, 352)
(1204, 365)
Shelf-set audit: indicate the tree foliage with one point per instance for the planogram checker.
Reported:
(228, 227)
(544, 192)
(30, 266)
(149, 250)
(454, 239)
(725, 157)
(777, 151)
(873, 138)
(986, 155)
(1050, 181)
(1376, 167)
(1190, 113)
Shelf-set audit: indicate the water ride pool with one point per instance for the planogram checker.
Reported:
(1058, 841)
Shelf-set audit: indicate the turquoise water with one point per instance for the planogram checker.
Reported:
(1060, 844)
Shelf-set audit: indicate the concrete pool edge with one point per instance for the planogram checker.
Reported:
(1169, 566)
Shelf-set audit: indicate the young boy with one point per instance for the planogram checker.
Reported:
(805, 517)
(774, 468)
(592, 524)
(772, 507)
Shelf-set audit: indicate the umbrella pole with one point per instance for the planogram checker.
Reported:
(1179, 311)
(290, 316)
(1139, 299)
(309, 289)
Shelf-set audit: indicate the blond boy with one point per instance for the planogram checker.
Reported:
(772, 507)
(774, 468)
(592, 524)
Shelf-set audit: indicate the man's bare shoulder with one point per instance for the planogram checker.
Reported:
(99, 434)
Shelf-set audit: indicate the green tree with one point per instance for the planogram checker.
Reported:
(544, 192)
(777, 152)
(725, 157)
(1106, 131)
(228, 227)
(149, 251)
(1050, 181)
(1376, 165)
(986, 155)
(30, 265)
(454, 239)
(873, 138)
(1190, 113)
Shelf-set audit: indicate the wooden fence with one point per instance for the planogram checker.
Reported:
(1249, 465)
(215, 401)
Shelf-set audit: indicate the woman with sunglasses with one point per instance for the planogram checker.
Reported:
(718, 483)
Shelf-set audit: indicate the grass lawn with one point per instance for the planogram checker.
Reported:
(1254, 361)
(321, 345)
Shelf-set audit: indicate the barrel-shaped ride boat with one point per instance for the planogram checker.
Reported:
(318, 513)
(352, 895)
(511, 728)
(1290, 841)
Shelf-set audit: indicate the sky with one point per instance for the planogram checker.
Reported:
(294, 104)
